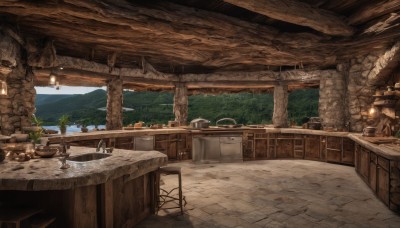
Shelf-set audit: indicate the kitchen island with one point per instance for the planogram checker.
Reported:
(116, 191)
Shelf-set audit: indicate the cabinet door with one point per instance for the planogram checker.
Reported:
(357, 158)
(312, 147)
(348, 151)
(364, 164)
(383, 179)
(261, 148)
(298, 144)
(284, 148)
(372, 172)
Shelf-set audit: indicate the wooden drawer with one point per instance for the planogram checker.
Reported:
(383, 162)
(334, 143)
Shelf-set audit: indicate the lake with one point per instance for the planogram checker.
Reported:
(73, 128)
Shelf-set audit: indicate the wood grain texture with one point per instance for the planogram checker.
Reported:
(373, 10)
(300, 13)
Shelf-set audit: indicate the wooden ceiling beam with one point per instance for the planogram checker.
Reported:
(300, 13)
(374, 10)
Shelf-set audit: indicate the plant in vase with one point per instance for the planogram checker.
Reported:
(62, 123)
(35, 136)
(84, 124)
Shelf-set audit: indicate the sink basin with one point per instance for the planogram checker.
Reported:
(88, 157)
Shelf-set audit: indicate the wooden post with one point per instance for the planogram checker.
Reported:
(280, 116)
(181, 104)
(114, 105)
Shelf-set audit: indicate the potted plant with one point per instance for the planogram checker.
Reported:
(62, 123)
(35, 136)
(84, 124)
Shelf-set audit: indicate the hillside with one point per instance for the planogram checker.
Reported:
(153, 107)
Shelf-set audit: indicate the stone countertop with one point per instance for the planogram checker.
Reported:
(306, 132)
(45, 173)
(113, 134)
(380, 149)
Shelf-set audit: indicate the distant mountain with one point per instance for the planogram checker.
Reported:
(155, 107)
(50, 98)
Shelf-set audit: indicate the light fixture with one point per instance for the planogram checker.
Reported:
(53, 79)
(372, 112)
(3, 88)
(57, 85)
(61, 68)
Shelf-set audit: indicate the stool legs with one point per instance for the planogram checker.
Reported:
(180, 193)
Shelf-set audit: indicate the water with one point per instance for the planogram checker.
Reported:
(73, 128)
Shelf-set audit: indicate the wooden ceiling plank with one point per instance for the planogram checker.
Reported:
(299, 13)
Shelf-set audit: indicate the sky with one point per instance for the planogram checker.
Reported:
(66, 90)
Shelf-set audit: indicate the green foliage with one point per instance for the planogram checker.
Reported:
(35, 136)
(63, 121)
(155, 107)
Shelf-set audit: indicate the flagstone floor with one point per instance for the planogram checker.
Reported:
(273, 193)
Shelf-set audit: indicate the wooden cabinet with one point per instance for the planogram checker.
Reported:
(383, 179)
(375, 171)
(284, 146)
(348, 151)
(261, 146)
(173, 145)
(364, 164)
(312, 147)
(333, 149)
(298, 146)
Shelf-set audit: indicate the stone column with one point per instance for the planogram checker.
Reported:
(19, 104)
(332, 96)
(114, 104)
(280, 116)
(181, 102)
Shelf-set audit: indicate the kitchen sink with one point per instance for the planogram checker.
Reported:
(88, 157)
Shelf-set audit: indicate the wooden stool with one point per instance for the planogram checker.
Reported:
(165, 196)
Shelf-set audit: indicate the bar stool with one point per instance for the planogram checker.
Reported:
(163, 196)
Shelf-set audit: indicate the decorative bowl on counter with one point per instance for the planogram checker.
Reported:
(46, 151)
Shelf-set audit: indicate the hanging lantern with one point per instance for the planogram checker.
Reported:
(3, 88)
(53, 79)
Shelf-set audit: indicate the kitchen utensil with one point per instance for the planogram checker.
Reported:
(199, 123)
(46, 151)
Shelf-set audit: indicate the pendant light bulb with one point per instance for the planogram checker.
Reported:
(53, 79)
(3, 90)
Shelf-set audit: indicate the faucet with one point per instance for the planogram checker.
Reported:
(102, 145)
(64, 155)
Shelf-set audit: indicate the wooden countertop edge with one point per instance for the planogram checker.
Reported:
(384, 152)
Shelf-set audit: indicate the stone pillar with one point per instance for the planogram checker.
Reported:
(19, 104)
(181, 102)
(280, 116)
(332, 95)
(114, 104)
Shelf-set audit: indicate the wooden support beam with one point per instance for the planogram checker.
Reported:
(373, 10)
(385, 64)
(300, 13)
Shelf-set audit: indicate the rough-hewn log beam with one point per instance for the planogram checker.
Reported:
(173, 33)
(297, 12)
(385, 64)
(374, 10)
(81, 67)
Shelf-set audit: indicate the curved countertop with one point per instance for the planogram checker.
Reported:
(45, 173)
(385, 151)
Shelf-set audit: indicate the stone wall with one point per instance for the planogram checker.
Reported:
(19, 104)
(280, 115)
(366, 75)
(332, 93)
(181, 101)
